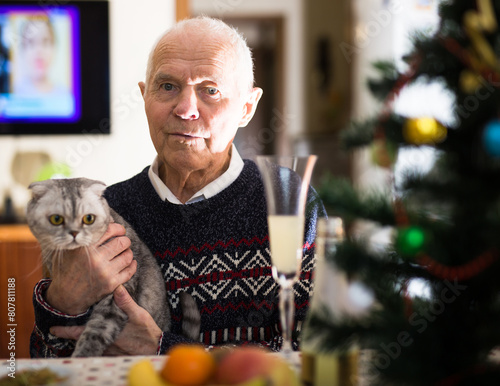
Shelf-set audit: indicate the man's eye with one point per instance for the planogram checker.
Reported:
(212, 91)
(168, 86)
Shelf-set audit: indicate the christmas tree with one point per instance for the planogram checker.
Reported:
(445, 222)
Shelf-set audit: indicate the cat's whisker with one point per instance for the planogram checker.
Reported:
(47, 259)
(57, 260)
(105, 246)
(88, 250)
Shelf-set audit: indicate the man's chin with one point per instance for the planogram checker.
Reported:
(187, 158)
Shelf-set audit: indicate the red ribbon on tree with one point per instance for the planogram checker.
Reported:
(461, 272)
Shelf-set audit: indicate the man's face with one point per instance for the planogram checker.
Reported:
(195, 102)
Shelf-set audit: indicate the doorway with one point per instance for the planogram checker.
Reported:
(267, 130)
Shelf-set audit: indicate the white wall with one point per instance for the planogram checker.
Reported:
(382, 32)
(421, 100)
(375, 24)
(135, 26)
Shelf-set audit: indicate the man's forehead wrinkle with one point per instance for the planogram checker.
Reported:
(202, 62)
(197, 69)
(209, 54)
(189, 37)
(195, 47)
(163, 75)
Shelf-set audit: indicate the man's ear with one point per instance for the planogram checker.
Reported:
(142, 86)
(250, 106)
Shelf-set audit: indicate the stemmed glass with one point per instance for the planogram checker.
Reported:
(286, 182)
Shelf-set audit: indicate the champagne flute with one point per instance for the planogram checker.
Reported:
(286, 182)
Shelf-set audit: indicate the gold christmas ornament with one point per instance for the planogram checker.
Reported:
(471, 81)
(424, 131)
(475, 22)
(481, 56)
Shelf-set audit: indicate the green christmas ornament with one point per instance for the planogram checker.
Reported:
(410, 240)
(54, 170)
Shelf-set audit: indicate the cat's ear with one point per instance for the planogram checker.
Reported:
(98, 188)
(38, 189)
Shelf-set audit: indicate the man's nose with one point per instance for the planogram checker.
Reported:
(187, 106)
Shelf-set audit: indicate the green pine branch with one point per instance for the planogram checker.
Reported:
(341, 199)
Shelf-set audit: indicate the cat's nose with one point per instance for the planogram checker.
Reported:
(73, 233)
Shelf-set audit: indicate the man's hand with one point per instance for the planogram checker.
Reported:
(139, 337)
(141, 333)
(83, 276)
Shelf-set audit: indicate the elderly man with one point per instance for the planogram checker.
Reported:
(199, 207)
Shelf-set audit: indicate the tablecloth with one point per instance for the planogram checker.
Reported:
(96, 371)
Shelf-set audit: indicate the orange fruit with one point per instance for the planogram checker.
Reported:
(188, 365)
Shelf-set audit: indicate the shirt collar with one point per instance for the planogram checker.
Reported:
(213, 188)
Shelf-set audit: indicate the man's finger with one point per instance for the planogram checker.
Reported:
(114, 230)
(71, 332)
(125, 302)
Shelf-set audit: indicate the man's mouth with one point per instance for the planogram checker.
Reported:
(187, 135)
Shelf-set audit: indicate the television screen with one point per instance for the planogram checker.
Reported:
(54, 67)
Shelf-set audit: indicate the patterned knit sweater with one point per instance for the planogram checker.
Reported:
(217, 250)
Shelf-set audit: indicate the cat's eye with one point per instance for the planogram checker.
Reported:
(56, 219)
(88, 219)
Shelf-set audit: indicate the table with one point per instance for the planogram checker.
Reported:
(113, 371)
(95, 371)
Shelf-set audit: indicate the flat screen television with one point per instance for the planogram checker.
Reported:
(54, 67)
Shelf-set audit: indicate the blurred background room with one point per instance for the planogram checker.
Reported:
(312, 58)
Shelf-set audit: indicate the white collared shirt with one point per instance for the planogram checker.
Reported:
(213, 188)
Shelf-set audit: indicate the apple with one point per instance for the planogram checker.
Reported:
(242, 364)
(251, 365)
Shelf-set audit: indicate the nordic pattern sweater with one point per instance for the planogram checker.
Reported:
(217, 250)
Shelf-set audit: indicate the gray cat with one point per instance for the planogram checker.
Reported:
(72, 213)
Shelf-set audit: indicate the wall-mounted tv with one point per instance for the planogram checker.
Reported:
(54, 67)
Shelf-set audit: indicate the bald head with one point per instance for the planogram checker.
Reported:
(201, 32)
